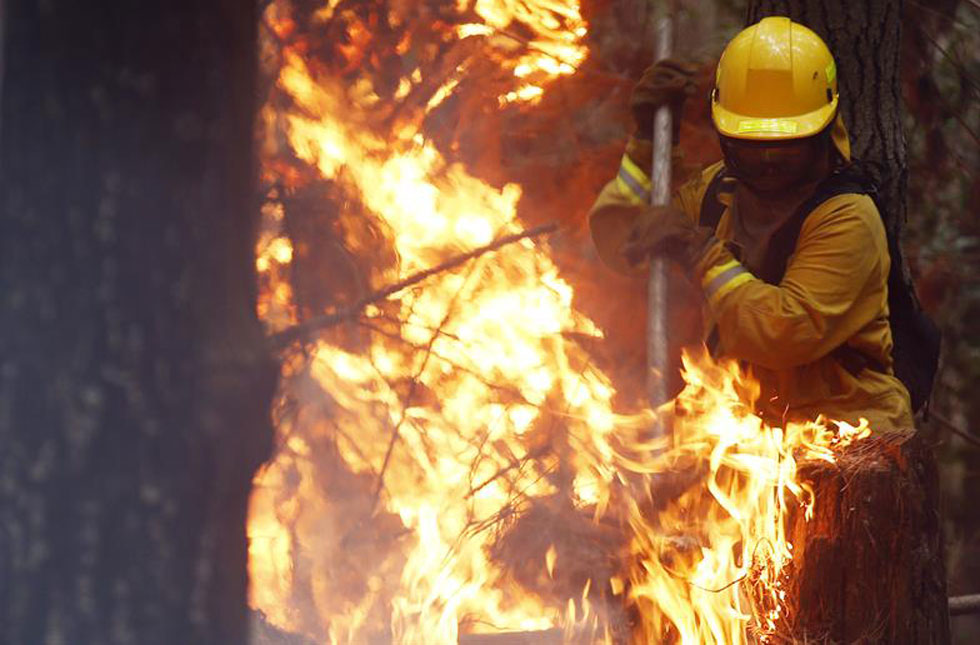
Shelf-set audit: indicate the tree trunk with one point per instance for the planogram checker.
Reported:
(869, 565)
(134, 381)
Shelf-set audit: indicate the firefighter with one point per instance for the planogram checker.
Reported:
(791, 255)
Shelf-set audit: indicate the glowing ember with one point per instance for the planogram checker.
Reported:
(405, 456)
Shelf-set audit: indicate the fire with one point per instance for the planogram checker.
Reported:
(415, 440)
(711, 561)
(553, 50)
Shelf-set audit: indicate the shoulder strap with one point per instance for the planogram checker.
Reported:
(712, 207)
(916, 339)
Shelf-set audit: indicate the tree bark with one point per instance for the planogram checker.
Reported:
(135, 383)
(870, 564)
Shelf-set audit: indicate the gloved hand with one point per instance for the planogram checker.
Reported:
(666, 82)
(668, 232)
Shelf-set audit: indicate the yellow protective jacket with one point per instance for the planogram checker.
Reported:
(834, 292)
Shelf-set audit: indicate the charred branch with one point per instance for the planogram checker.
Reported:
(304, 330)
(411, 393)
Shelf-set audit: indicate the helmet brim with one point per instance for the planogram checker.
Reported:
(740, 126)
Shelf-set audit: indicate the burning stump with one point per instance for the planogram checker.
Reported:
(868, 565)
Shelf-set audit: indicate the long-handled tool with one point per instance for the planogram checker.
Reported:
(657, 357)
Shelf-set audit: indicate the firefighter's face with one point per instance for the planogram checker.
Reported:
(773, 166)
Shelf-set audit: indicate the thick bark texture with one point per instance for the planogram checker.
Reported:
(867, 565)
(134, 380)
(870, 566)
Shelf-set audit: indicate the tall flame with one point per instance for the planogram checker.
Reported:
(404, 458)
(710, 561)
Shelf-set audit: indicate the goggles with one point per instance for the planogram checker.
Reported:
(757, 159)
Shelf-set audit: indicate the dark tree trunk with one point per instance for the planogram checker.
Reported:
(134, 381)
(869, 565)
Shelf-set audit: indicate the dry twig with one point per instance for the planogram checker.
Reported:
(303, 330)
(407, 403)
(538, 452)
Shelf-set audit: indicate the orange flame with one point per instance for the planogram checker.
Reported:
(399, 461)
(727, 524)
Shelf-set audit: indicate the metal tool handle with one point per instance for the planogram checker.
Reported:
(657, 356)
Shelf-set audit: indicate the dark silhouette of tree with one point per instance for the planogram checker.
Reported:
(135, 383)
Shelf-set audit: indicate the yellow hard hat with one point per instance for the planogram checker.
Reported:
(775, 80)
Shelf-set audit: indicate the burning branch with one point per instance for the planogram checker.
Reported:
(411, 394)
(303, 330)
(510, 391)
(537, 453)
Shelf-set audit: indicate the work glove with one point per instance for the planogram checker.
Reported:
(667, 231)
(667, 82)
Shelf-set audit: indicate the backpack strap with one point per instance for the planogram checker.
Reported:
(916, 339)
(712, 208)
(712, 204)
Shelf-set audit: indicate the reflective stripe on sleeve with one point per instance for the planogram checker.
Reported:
(633, 181)
(714, 272)
(721, 279)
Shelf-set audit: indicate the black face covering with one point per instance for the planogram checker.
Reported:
(774, 166)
